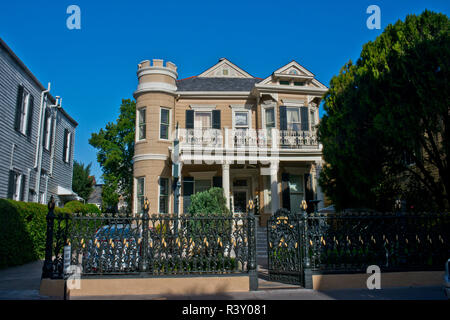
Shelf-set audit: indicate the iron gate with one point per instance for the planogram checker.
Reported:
(285, 236)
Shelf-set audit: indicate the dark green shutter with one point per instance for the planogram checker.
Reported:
(30, 116)
(304, 118)
(18, 107)
(216, 119)
(217, 182)
(188, 190)
(283, 118)
(11, 184)
(285, 191)
(22, 191)
(189, 119)
(45, 127)
(66, 132)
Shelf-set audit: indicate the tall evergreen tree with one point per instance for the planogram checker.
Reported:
(386, 132)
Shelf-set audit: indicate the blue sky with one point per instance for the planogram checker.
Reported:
(92, 69)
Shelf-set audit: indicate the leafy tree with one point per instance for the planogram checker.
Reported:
(82, 182)
(115, 145)
(386, 131)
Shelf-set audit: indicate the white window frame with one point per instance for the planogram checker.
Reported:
(138, 125)
(264, 110)
(299, 117)
(68, 147)
(242, 108)
(136, 200)
(24, 114)
(168, 125)
(203, 111)
(49, 123)
(18, 185)
(168, 194)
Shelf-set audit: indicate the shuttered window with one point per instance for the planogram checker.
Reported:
(67, 145)
(47, 130)
(24, 111)
(164, 124)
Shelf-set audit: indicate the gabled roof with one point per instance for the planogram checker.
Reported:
(294, 69)
(232, 70)
(216, 84)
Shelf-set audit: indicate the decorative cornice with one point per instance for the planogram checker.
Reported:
(150, 156)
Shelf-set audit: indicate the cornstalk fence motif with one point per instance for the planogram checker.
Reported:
(150, 245)
(302, 244)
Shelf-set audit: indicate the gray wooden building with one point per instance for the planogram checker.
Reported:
(36, 137)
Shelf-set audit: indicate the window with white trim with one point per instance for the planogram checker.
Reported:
(163, 195)
(17, 186)
(48, 130)
(24, 114)
(164, 124)
(140, 194)
(141, 124)
(203, 120)
(67, 145)
(293, 119)
(269, 114)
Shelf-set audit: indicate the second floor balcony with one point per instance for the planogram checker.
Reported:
(248, 138)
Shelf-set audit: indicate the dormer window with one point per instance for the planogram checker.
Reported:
(284, 82)
(299, 83)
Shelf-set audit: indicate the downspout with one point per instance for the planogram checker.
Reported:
(40, 127)
(39, 146)
(52, 155)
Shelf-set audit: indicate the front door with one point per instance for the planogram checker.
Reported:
(240, 201)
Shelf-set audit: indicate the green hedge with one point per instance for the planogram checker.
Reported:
(23, 229)
(79, 207)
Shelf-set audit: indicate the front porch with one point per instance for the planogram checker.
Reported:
(279, 184)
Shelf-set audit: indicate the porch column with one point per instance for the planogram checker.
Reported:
(226, 182)
(274, 186)
(318, 168)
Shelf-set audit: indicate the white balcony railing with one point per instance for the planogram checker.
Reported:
(243, 138)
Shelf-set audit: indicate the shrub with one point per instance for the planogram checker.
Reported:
(79, 207)
(211, 201)
(23, 229)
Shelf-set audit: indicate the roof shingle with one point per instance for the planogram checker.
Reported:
(216, 84)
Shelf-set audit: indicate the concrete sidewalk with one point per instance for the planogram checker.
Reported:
(417, 293)
(22, 283)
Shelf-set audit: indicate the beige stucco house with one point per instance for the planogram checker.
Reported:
(255, 138)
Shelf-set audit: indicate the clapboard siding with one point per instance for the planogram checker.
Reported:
(23, 158)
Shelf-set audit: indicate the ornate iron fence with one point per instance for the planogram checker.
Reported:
(350, 242)
(115, 244)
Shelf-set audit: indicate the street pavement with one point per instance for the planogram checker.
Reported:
(22, 283)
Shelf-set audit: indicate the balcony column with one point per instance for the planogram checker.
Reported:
(226, 181)
(274, 186)
(318, 169)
